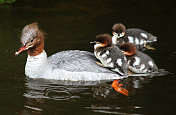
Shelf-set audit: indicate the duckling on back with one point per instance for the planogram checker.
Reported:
(138, 62)
(136, 36)
(109, 54)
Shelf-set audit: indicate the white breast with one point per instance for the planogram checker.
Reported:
(114, 39)
(36, 65)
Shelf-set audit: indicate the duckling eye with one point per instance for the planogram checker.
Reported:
(98, 42)
(121, 34)
(115, 33)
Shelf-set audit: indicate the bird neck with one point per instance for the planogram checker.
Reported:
(39, 47)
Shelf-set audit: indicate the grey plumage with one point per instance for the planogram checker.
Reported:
(75, 60)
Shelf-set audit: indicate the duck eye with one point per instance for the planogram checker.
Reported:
(32, 40)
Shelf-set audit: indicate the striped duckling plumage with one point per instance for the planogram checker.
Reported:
(138, 62)
(133, 35)
(110, 55)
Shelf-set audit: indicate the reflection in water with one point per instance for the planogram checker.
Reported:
(118, 87)
(112, 109)
(128, 85)
(39, 91)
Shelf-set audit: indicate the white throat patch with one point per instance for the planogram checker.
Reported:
(114, 39)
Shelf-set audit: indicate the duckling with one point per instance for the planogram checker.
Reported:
(138, 37)
(110, 55)
(138, 62)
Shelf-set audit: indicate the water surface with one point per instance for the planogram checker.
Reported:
(72, 24)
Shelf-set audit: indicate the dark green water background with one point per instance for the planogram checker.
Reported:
(72, 24)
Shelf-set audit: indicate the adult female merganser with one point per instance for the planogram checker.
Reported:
(110, 55)
(138, 62)
(136, 36)
(71, 65)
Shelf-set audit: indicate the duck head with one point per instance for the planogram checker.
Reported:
(32, 39)
(118, 30)
(102, 40)
(128, 49)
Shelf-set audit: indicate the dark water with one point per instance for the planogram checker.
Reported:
(72, 24)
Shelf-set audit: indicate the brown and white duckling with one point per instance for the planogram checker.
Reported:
(138, 62)
(136, 36)
(110, 55)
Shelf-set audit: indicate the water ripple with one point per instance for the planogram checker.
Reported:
(56, 90)
(113, 110)
(57, 93)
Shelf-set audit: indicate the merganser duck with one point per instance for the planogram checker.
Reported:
(136, 36)
(138, 62)
(110, 55)
(71, 65)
